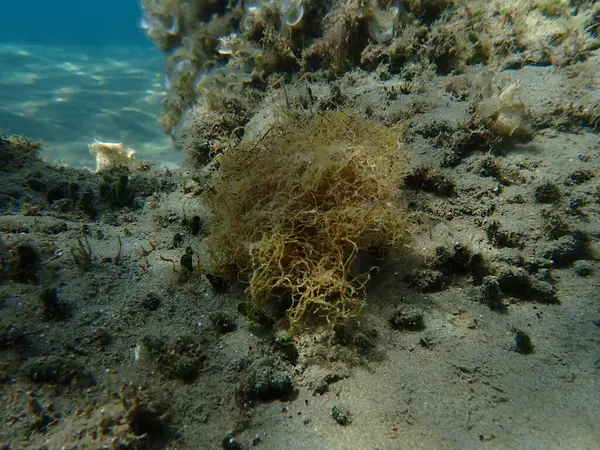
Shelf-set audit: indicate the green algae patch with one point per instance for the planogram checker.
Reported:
(295, 211)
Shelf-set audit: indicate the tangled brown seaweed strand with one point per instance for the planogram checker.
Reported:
(292, 212)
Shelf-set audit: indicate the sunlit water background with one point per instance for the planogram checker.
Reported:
(75, 71)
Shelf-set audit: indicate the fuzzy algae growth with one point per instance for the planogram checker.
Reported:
(294, 210)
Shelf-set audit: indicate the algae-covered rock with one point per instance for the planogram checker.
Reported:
(292, 211)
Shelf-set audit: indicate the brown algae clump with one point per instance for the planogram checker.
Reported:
(295, 210)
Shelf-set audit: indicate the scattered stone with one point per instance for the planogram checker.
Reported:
(180, 360)
(555, 225)
(491, 294)
(187, 262)
(178, 240)
(334, 377)
(23, 263)
(579, 176)
(57, 192)
(501, 238)
(352, 334)
(87, 204)
(568, 249)
(407, 319)
(151, 302)
(584, 268)
(545, 275)
(516, 282)
(51, 308)
(196, 225)
(341, 415)
(284, 342)
(426, 280)
(56, 370)
(460, 261)
(263, 385)
(430, 180)
(11, 337)
(36, 184)
(222, 323)
(547, 192)
(428, 342)
(217, 282)
(229, 443)
(523, 343)
(254, 315)
(321, 387)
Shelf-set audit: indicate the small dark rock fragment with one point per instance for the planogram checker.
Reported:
(117, 194)
(428, 342)
(555, 225)
(51, 308)
(87, 204)
(181, 360)
(430, 180)
(579, 176)
(523, 343)
(263, 385)
(102, 338)
(460, 261)
(409, 319)
(255, 315)
(36, 184)
(195, 225)
(341, 415)
(56, 370)
(187, 262)
(568, 249)
(151, 302)
(491, 293)
(547, 192)
(11, 337)
(222, 323)
(178, 240)
(321, 388)
(229, 443)
(215, 281)
(426, 280)
(184, 368)
(57, 192)
(334, 377)
(501, 238)
(284, 342)
(351, 334)
(544, 274)
(584, 268)
(518, 283)
(23, 263)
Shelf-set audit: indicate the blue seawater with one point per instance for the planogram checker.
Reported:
(73, 71)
